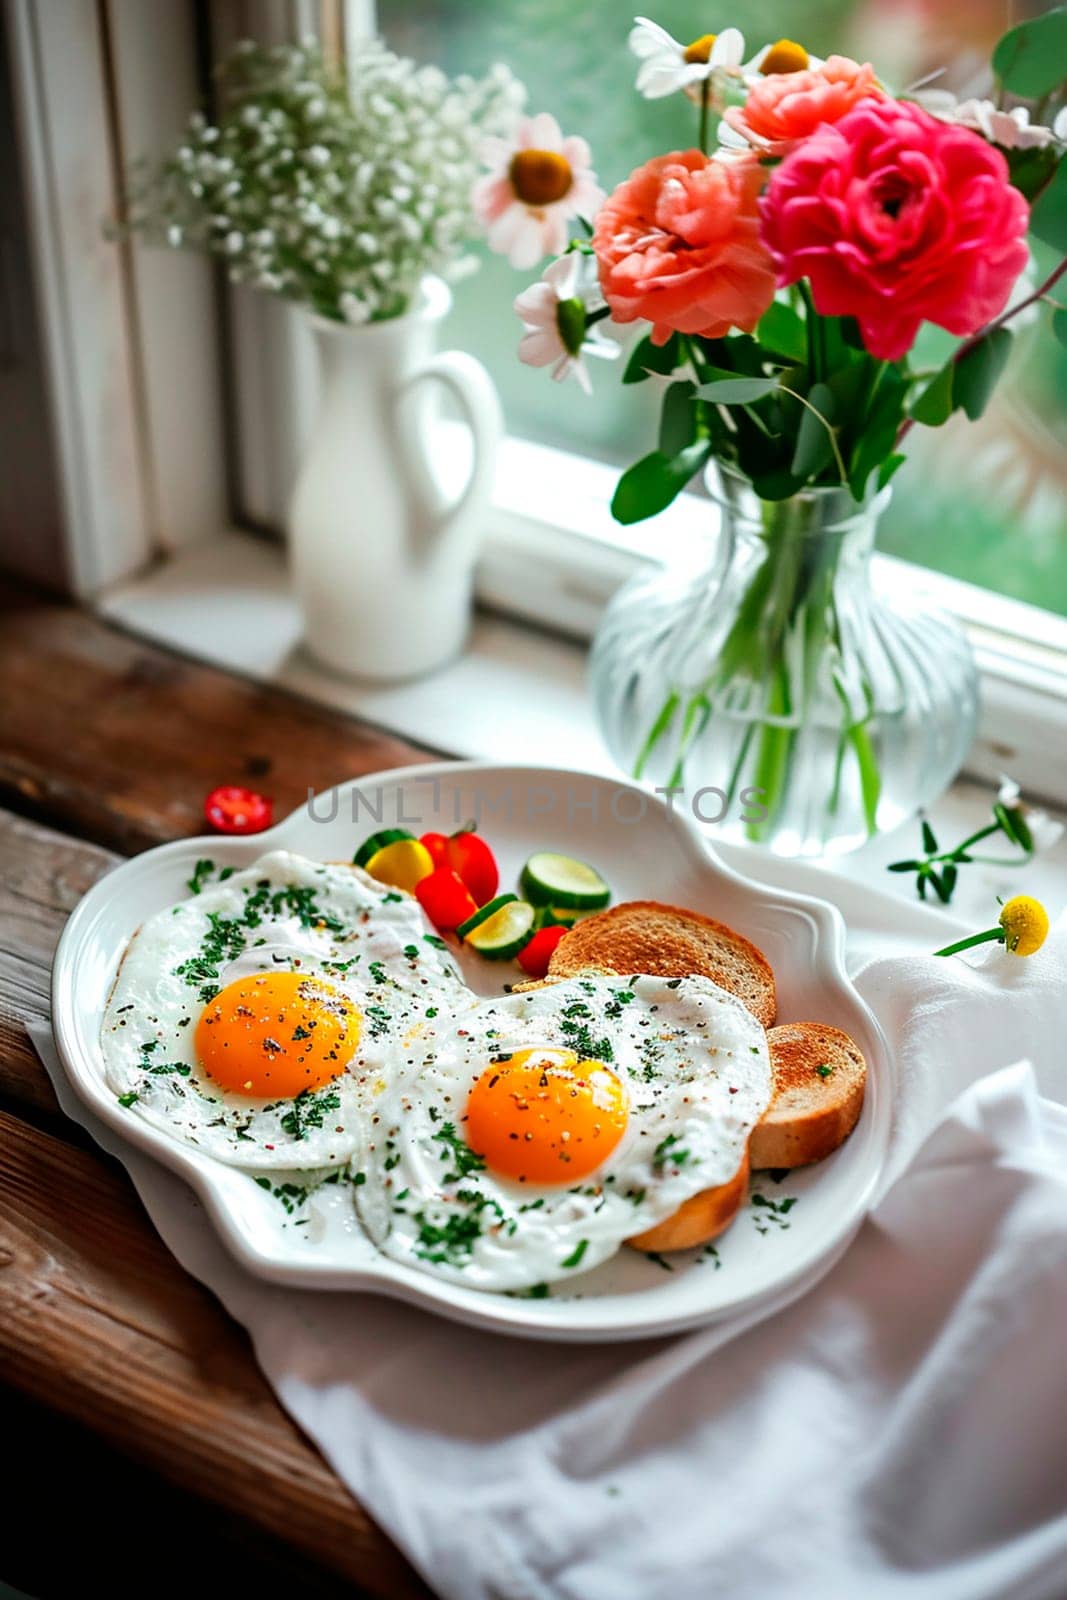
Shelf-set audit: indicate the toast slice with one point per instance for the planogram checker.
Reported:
(698, 1220)
(819, 1078)
(642, 936)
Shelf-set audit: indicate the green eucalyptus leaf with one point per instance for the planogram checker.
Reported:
(781, 332)
(678, 419)
(934, 404)
(653, 482)
(1059, 326)
(814, 449)
(1048, 216)
(978, 370)
(732, 391)
(646, 358)
(1029, 60)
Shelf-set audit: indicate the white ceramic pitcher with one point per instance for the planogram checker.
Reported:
(381, 561)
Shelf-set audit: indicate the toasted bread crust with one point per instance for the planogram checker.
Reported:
(811, 1112)
(641, 936)
(700, 1219)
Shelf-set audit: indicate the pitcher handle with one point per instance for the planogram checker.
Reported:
(475, 394)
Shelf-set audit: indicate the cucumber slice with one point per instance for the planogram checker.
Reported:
(483, 913)
(378, 841)
(560, 881)
(505, 933)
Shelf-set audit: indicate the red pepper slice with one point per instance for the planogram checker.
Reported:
(534, 957)
(469, 857)
(445, 899)
(230, 809)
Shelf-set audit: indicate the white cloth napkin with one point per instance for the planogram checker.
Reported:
(900, 1430)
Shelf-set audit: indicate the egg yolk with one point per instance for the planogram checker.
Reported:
(276, 1034)
(546, 1116)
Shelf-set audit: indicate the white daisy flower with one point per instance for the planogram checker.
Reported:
(538, 181)
(1044, 830)
(1012, 130)
(553, 315)
(667, 65)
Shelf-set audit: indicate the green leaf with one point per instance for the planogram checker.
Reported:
(929, 839)
(814, 450)
(1030, 170)
(949, 874)
(1014, 826)
(778, 483)
(1059, 326)
(1048, 217)
(1029, 60)
(731, 391)
(934, 404)
(875, 442)
(782, 332)
(678, 420)
(977, 371)
(653, 482)
(646, 358)
(888, 469)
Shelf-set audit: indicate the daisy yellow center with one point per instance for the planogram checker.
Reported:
(1025, 924)
(699, 52)
(540, 177)
(785, 56)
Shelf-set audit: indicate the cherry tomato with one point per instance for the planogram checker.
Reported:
(445, 899)
(534, 957)
(230, 809)
(469, 857)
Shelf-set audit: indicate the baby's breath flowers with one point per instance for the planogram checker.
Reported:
(339, 190)
(1022, 929)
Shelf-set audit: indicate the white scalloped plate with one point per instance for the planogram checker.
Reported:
(646, 851)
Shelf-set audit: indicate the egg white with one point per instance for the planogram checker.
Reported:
(284, 913)
(697, 1071)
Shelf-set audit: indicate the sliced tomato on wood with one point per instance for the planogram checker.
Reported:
(230, 809)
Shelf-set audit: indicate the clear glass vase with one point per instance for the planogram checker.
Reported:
(784, 699)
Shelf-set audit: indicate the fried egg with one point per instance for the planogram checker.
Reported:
(247, 1019)
(528, 1138)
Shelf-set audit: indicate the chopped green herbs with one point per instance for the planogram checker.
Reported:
(456, 1150)
(201, 873)
(576, 1254)
(309, 1110)
(824, 1071)
(667, 1151)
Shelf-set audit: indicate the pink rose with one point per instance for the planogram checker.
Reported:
(679, 244)
(787, 106)
(896, 218)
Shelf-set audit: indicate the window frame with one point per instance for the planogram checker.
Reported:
(136, 357)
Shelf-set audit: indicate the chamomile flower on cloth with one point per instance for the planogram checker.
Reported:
(553, 313)
(538, 181)
(1012, 130)
(667, 65)
(1022, 929)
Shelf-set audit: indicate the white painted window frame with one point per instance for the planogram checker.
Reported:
(133, 352)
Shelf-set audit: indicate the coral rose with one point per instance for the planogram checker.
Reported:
(679, 244)
(896, 218)
(787, 106)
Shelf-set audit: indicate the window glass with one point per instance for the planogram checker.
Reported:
(984, 501)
